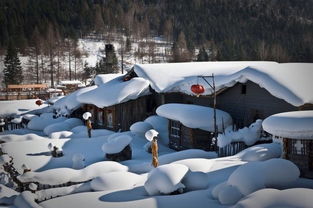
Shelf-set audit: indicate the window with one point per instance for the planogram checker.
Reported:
(175, 129)
(109, 119)
(100, 117)
(243, 89)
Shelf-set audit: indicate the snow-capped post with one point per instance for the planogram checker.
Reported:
(199, 89)
(152, 136)
(87, 116)
(25, 168)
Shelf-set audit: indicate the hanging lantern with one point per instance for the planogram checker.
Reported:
(197, 89)
(38, 102)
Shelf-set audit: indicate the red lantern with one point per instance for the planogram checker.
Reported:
(197, 89)
(39, 102)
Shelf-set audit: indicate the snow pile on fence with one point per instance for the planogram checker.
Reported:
(195, 116)
(116, 144)
(66, 125)
(63, 175)
(295, 124)
(296, 197)
(248, 135)
(254, 176)
(165, 179)
(45, 119)
(115, 91)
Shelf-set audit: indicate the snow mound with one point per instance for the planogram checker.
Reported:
(61, 134)
(94, 133)
(297, 197)
(39, 123)
(17, 138)
(140, 128)
(63, 175)
(254, 176)
(66, 125)
(165, 179)
(260, 152)
(160, 124)
(29, 116)
(78, 129)
(197, 164)
(116, 144)
(195, 181)
(151, 134)
(195, 116)
(17, 120)
(7, 195)
(295, 124)
(115, 180)
(247, 135)
(185, 154)
(78, 161)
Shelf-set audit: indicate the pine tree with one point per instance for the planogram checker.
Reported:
(202, 55)
(13, 73)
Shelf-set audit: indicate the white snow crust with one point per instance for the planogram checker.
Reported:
(116, 144)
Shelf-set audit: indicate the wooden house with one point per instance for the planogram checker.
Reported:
(295, 132)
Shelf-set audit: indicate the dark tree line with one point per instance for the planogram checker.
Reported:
(229, 29)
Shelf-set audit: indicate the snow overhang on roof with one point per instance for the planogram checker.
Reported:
(289, 81)
(195, 116)
(115, 91)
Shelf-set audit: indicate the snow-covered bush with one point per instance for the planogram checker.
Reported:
(140, 128)
(247, 135)
(114, 180)
(160, 124)
(254, 176)
(116, 144)
(165, 179)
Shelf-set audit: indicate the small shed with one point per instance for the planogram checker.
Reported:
(296, 132)
(192, 126)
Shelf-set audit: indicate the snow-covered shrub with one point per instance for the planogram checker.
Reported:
(116, 144)
(254, 176)
(165, 179)
(114, 180)
(247, 135)
(160, 124)
(140, 128)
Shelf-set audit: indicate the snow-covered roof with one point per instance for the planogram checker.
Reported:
(115, 91)
(195, 116)
(295, 124)
(288, 81)
(104, 78)
(66, 82)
